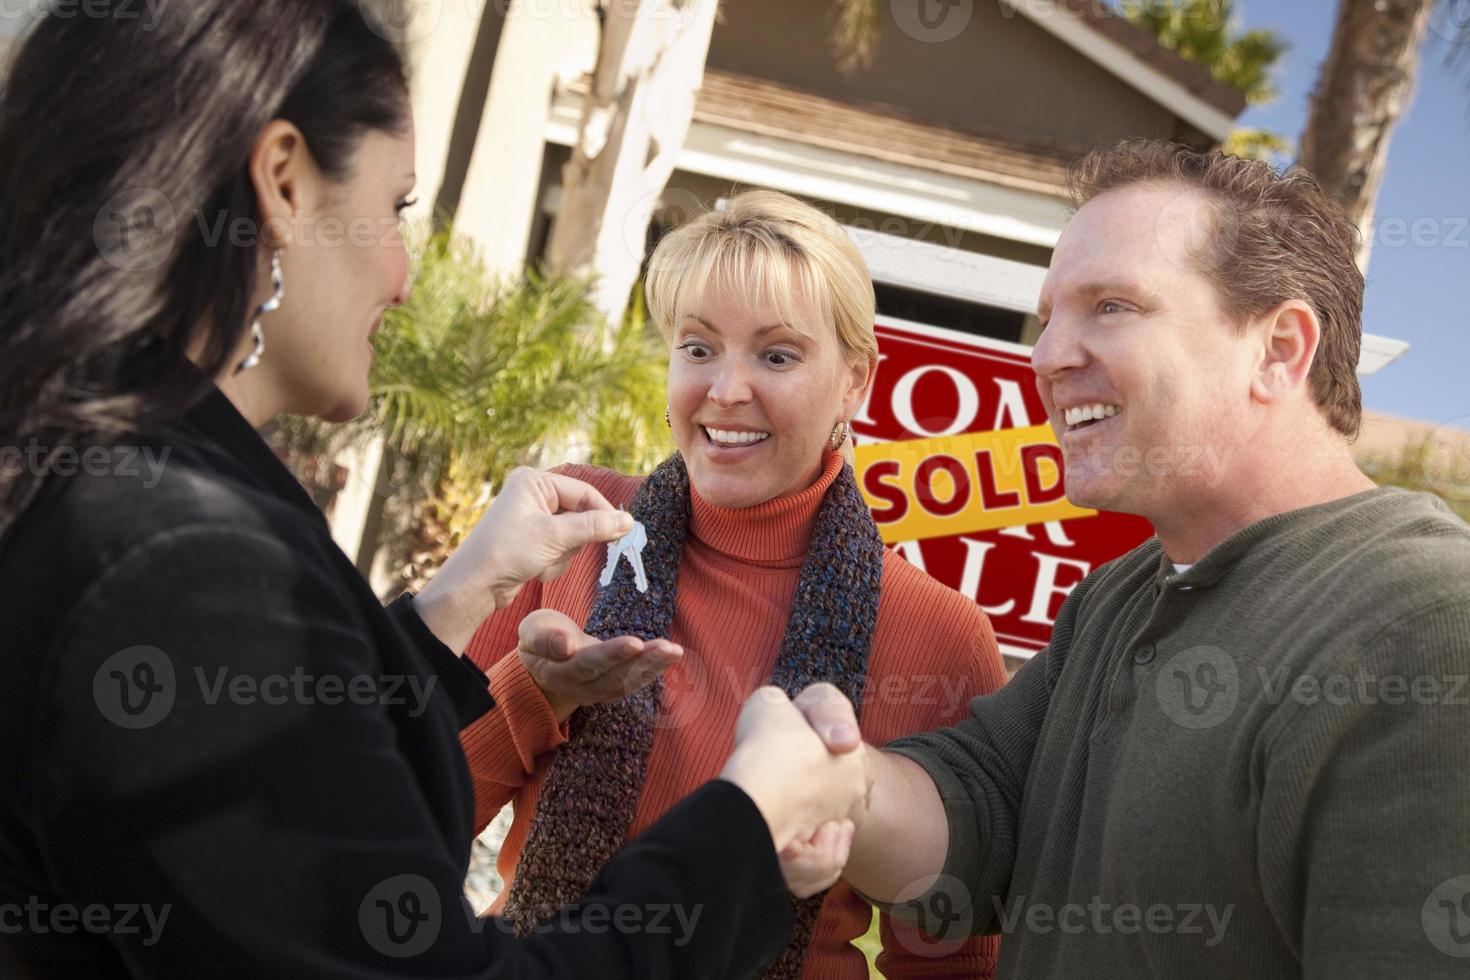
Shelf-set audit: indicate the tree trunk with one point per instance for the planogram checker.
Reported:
(1365, 85)
(636, 117)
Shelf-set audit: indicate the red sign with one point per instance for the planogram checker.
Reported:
(940, 386)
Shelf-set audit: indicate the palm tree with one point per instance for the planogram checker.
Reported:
(1435, 463)
(854, 37)
(1365, 85)
(635, 118)
(474, 376)
(1208, 33)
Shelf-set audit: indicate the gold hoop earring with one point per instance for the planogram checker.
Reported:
(840, 433)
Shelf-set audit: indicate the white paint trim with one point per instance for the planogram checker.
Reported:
(1378, 352)
(921, 196)
(1072, 29)
(947, 271)
(917, 195)
(355, 500)
(953, 336)
(1009, 285)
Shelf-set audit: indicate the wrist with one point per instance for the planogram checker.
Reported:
(773, 804)
(561, 706)
(446, 617)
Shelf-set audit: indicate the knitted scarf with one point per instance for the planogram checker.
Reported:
(596, 777)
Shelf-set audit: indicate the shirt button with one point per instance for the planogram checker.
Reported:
(1144, 654)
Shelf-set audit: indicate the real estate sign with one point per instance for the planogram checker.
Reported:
(965, 478)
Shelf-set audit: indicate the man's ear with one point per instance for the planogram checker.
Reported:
(1289, 336)
(860, 377)
(286, 179)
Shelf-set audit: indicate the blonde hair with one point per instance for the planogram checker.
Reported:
(791, 250)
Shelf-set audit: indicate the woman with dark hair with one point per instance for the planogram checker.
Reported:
(225, 756)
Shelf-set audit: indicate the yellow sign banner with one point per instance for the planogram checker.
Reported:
(979, 481)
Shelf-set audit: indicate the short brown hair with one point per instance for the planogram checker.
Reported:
(1276, 236)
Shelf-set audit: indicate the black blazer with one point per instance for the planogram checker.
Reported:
(222, 756)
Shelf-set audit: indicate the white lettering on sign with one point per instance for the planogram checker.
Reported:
(1046, 586)
(903, 401)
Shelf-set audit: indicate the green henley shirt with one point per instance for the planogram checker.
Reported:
(1257, 768)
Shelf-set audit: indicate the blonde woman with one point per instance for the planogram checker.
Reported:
(762, 563)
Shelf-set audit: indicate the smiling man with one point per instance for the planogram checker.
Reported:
(1241, 754)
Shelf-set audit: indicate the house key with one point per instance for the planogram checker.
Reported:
(632, 545)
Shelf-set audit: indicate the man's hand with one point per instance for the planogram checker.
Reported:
(901, 841)
(786, 768)
(831, 716)
(537, 523)
(574, 669)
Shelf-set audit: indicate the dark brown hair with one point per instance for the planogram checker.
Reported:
(116, 128)
(1276, 236)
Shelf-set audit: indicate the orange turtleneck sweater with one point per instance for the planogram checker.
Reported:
(933, 650)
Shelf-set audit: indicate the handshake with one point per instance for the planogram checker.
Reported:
(802, 762)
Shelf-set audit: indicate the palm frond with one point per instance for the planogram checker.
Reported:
(854, 37)
(1208, 33)
(1258, 144)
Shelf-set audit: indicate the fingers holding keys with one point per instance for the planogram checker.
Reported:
(570, 495)
(573, 669)
(537, 523)
(559, 515)
(580, 516)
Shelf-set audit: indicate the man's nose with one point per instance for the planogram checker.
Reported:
(1058, 349)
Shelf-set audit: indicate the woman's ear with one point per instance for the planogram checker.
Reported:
(286, 180)
(860, 377)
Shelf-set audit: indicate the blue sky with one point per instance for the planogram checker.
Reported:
(1419, 292)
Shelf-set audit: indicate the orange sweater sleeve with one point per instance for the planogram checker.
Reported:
(960, 661)
(502, 747)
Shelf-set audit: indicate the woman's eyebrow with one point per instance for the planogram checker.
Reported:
(759, 330)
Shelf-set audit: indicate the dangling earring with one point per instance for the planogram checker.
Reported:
(839, 435)
(269, 306)
(667, 423)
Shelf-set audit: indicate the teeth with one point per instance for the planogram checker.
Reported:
(1090, 413)
(728, 438)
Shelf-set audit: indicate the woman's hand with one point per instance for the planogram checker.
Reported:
(574, 669)
(537, 523)
(798, 783)
(813, 865)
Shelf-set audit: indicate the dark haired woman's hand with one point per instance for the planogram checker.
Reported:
(538, 521)
(815, 863)
(574, 669)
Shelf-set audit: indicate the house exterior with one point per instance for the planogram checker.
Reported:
(946, 157)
